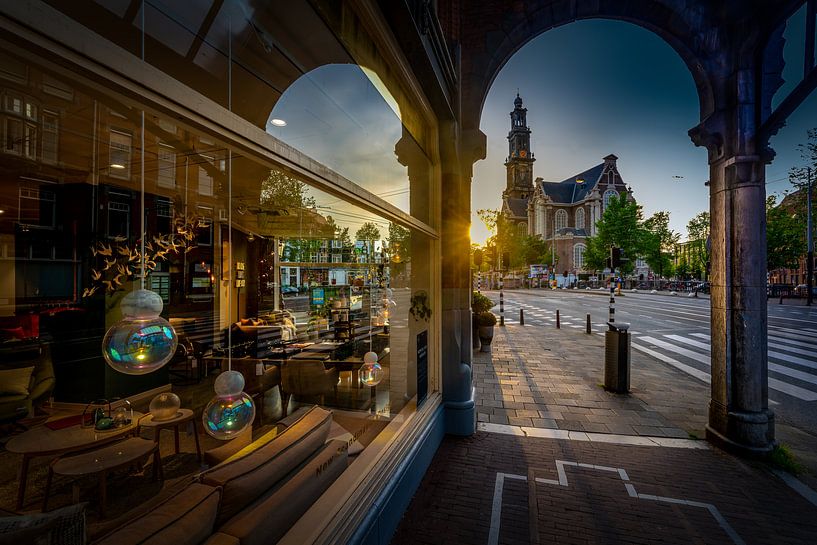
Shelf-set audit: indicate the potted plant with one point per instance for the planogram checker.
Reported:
(486, 321)
(479, 304)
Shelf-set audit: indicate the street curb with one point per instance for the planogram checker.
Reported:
(593, 437)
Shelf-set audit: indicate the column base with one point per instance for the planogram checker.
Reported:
(741, 432)
(461, 417)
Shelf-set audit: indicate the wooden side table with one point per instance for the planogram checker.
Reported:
(182, 417)
(101, 461)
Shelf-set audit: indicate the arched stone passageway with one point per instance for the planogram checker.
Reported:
(724, 46)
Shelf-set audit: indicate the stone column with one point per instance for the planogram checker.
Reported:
(739, 415)
(458, 153)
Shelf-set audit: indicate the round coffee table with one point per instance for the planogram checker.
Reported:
(43, 441)
(100, 462)
(183, 416)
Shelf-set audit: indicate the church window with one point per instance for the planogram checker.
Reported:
(522, 228)
(561, 219)
(578, 256)
(609, 194)
(580, 218)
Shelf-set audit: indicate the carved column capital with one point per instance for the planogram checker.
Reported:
(709, 134)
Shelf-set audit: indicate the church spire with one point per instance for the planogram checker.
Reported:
(519, 163)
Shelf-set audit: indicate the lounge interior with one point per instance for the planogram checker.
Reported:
(258, 272)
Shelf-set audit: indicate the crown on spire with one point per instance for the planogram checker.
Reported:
(518, 101)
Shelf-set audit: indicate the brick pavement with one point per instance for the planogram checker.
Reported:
(547, 381)
(674, 487)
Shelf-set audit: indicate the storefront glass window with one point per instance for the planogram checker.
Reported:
(258, 269)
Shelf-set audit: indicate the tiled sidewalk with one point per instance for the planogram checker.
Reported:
(547, 467)
(543, 377)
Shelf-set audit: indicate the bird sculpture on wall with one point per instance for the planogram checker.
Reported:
(118, 263)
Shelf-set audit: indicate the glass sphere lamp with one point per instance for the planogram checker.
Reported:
(142, 341)
(231, 411)
(371, 372)
(165, 406)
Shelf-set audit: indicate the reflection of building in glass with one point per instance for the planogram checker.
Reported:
(247, 232)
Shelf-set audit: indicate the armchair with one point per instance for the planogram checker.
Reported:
(307, 378)
(15, 406)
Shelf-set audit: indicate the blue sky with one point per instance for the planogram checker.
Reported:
(598, 87)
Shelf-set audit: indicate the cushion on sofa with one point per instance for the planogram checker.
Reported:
(15, 381)
(222, 539)
(218, 454)
(245, 478)
(185, 518)
(270, 517)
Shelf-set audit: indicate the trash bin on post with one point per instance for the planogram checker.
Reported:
(617, 358)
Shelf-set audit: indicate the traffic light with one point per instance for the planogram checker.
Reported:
(506, 259)
(490, 256)
(478, 258)
(617, 257)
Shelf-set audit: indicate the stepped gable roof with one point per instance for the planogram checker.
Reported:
(568, 191)
(518, 207)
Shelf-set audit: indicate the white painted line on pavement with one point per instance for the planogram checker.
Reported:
(499, 485)
(613, 438)
(697, 356)
(697, 373)
(775, 384)
(797, 485)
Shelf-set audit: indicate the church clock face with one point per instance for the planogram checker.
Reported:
(523, 153)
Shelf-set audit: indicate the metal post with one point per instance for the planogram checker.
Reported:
(521, 316)
(588, 328)
(479, 281)
(612, 304)
(558, 325)
(501, 294)
(810, 239)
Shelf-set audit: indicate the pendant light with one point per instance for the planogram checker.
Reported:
(142, 341)
(231, 411)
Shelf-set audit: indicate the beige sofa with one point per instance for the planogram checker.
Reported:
(253, 497)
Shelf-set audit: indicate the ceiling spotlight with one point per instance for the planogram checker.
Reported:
(279, 122)
(118, 166)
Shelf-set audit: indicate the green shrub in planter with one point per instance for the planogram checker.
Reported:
(481, 303)
(486, 319)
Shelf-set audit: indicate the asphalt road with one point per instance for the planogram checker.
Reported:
(675, 331)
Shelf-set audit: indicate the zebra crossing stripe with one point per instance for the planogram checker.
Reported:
(795, 391)
(793, 336)
(800, 332)
(792, 342)
(690, 342)
(793, 350)
(677, 349)
(697, 373)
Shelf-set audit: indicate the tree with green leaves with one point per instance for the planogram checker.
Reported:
(698, 233)
(369, 233)
(398, 243)
(808, 152)
(785, 236)
(279, 190)
(658, 243)
(534, 251)
(620, 226)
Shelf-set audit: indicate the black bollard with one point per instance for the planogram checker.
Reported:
(558, 325)
(521, 316)
(589, 330)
